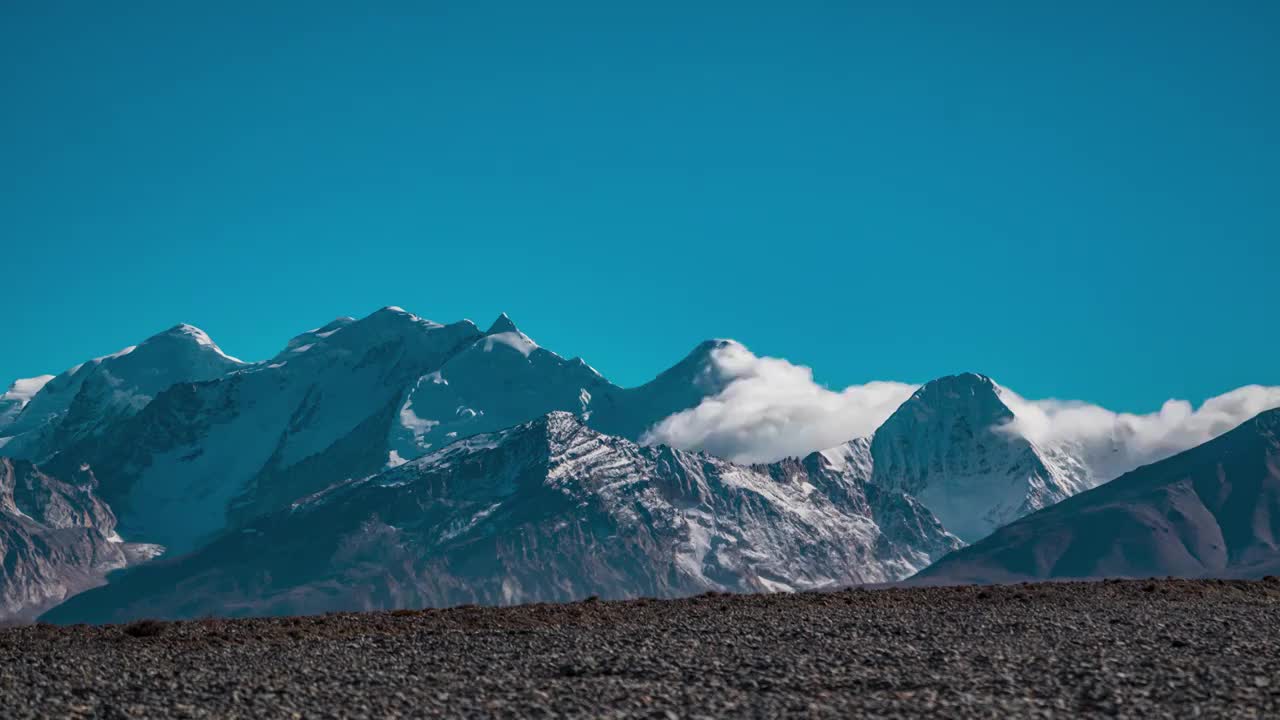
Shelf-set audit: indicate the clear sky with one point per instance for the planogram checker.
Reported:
(1079, 199)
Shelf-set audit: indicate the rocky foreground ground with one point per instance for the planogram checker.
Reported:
(1137, 649)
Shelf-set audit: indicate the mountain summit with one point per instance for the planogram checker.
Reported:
(949, 447)
(86, 399)
(502, 325)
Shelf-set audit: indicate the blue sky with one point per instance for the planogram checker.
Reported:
(1077, 199)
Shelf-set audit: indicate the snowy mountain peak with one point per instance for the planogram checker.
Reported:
(947, 446)
(182, 345)
(17, 398)
(189, 336)
(392, 323)
(561, 418)
(981, 388)
(92, 396)
(561, 425)
(393, 316)
(702, 367)
(23, 389)
(502, 325)
(503, 332)
(706, 347)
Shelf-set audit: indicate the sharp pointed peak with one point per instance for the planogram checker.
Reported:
(699, 366)
(716, 344)
(502, 325)
(964, 380)
(970, 394)
(703, 350)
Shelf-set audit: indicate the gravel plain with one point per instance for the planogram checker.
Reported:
(1168, 648)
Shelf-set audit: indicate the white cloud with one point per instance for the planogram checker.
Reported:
(772, 409)
(1111, 444)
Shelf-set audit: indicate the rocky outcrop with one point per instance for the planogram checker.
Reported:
(57, 539)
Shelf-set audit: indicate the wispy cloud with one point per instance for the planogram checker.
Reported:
(772, 409)
(1111, 443)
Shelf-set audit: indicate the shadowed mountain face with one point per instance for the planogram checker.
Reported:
(948, 447)
(547, 511)
(57, 538)
(1213, 510)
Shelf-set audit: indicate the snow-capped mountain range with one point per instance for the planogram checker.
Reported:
(346, 400)
(429, 463)
(549, 510)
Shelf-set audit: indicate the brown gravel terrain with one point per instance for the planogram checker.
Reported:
(1133, 649)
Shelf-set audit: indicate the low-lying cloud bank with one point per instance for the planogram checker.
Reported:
(1111, 443)
(773, 409)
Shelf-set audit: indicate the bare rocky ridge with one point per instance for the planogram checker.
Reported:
(57, 538)
(1145, 649)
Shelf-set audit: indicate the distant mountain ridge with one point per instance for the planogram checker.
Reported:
(1210, 511)
(546, 511)
(84, 400)
(227, 442)
(199, 452)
